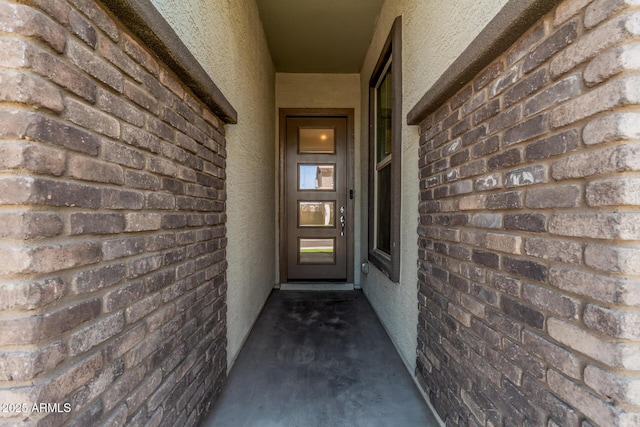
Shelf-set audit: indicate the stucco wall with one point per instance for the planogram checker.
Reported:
(228, 40)
(429, 44)
(308, 90)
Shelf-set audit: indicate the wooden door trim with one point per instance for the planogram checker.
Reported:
(285, 113)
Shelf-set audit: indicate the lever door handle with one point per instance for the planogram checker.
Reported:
(343, 221)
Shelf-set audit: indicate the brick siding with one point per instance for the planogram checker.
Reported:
(529, 267)
(112, 226)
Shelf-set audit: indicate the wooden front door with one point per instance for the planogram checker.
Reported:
(316, 202)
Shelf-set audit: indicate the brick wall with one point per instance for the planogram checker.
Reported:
(529, 287)
(112, 226)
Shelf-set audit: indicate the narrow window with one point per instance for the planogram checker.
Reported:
(385, 131)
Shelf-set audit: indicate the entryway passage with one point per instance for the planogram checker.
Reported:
(319, 359)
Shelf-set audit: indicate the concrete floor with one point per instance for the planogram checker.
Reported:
(319, 359)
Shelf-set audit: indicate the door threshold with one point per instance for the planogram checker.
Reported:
(316, 286)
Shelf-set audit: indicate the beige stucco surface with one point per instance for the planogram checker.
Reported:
(429, 45)
(308, 90)
(227, 38)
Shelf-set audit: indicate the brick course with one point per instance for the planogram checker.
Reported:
(112, 234)
(530, 309)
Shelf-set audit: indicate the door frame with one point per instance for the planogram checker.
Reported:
(284, 114)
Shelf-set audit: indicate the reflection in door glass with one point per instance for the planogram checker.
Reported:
(316, 177)
(317, 141)
(316, 214)
(316, 251)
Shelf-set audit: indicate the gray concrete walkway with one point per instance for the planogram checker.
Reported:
(319, 359)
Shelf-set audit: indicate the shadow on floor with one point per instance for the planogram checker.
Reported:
(319, 359)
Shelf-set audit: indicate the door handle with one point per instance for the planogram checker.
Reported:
(343, 221)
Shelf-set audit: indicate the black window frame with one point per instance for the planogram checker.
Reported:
(388, 263)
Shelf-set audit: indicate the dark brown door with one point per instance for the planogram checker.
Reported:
(316, 198)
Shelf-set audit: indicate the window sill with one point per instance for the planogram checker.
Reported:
(382, 261)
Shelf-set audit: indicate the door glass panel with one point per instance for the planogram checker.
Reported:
(316, 177)
(316, 141)
(316, 214)
(317, 251)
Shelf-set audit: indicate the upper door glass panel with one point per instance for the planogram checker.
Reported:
(316, 177)
(316, 141)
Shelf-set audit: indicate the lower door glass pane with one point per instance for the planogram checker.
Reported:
(317, 251)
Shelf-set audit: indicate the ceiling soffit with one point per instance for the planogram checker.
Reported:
(319, 36)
